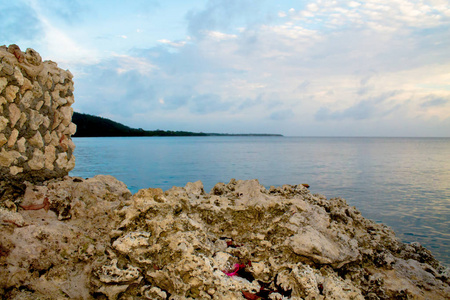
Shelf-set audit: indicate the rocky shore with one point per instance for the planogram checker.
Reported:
(75, 238)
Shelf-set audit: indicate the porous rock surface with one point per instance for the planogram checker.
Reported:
(240, 241)
(35, 117)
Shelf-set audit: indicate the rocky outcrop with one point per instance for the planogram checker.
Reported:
(35, 117)
(240, 241)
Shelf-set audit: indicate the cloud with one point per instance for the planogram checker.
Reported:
(222, 15)
(173, 44)
(435, 102)
(282, 115)
(362, 110)
(247, 62)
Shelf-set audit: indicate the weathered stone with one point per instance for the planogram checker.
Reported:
(71, 163)
(39, 105)
(21, 145)
(14, 114)
(36, 140)
(11, 92)
(13, 138)
(37, 160)
(54, 139)
(185, 243)
(35, 120)
(2, 101)
(15, 170)
(71, 129)
(50, 157)
(61, 161)
(26, 106)
(8, 157)
(3, 139)
(18, 76)
(46, 122)
(66, 114)
(3, 122)
(26, 86)
(70, 99)
(33, 57)
(3, 82)
(23, 119)
(47, 99)
(37, 90)
(47, 138)
(27, 99)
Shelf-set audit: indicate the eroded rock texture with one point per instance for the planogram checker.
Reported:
(35, 117)
(240, 241)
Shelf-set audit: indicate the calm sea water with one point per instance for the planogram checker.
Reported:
(402, 182)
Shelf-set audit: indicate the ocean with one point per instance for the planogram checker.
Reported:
(401, 182)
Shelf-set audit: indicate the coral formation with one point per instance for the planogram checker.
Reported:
(240, 241)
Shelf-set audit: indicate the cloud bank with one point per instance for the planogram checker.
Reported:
(347, 68)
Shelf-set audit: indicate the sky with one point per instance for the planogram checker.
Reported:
(297, 68)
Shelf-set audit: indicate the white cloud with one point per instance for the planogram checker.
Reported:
(173, 44)
(128, 63)
(220, 36)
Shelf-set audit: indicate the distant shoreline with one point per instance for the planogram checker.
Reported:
(94, 126)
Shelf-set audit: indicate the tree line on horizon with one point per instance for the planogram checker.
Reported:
(94, 126)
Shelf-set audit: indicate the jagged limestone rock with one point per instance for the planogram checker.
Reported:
(240, 240)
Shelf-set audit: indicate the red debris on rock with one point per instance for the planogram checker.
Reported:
(45, 205)
(250, 296)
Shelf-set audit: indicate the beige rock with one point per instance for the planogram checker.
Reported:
(71, 163)
(27, 99)
(57, 118)
(37, 160)
(26, 86)
(71, 129)
(37, 90)
(2, 101)
(18, 76)
(131, 241)
(36, 140)
(47, 99)
(8, 157)
(3, 122)
(10, 216)
(54, 139)
(39, 104)
(32, 57)
(35, 120)
(14, 114)
(46, 122)
(47, 138)
(14, 170)
(13, 138)
(50, 157)
(3, 139)
(11, 92)
(61, 160)
(3, 83)
(23, 119)
(21, 145)
(70, 100)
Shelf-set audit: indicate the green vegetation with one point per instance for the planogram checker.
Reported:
(93, 126)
